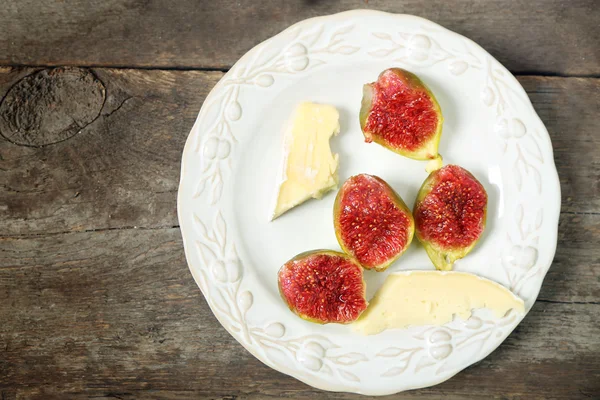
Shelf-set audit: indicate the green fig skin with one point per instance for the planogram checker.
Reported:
(429, 149)
(443, 257)
(311, 253)
(400, 204)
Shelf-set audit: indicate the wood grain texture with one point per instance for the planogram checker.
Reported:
(96, 298)
(570, 109)
(541, 36)
(122, 170)
(50, 106)
(115, 314)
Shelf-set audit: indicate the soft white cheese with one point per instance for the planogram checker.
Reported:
(433, 298)
(309, 169)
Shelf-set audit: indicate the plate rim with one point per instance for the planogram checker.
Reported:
(346, 15)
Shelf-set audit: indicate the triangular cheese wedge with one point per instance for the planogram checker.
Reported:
(433, 298)
(309, 169)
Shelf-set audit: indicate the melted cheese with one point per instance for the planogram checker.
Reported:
(433, 298)
(309, 168)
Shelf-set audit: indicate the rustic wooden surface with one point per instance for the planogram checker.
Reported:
(97, 301)
(535, 36)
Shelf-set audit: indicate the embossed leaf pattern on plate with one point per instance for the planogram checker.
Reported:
(227, 298)
(433, 352)
(305, 51)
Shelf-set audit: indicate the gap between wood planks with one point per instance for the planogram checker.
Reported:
(151, 228)
(580, 212)
(114, 228)
(158, 228)
(227, 68)
(568, 302)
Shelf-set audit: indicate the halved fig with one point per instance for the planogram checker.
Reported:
(323, 286)
(450, 213)
(372, 222)
(400, 112)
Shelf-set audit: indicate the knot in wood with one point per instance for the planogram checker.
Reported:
(50, 106)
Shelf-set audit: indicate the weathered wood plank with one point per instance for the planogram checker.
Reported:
(101, 314)
(570, 109)
(541, 36)
(575, 273)
(120, 170)
(123, 169)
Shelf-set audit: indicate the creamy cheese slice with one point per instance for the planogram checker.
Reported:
(433, 298)
(309, 169)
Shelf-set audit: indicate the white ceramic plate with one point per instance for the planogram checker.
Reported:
(229, 170)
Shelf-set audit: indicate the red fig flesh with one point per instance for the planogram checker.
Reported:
(372, 222)
(450, 213)
(399, 112)
(323, 286)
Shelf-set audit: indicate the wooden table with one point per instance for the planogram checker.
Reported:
(96, 298)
